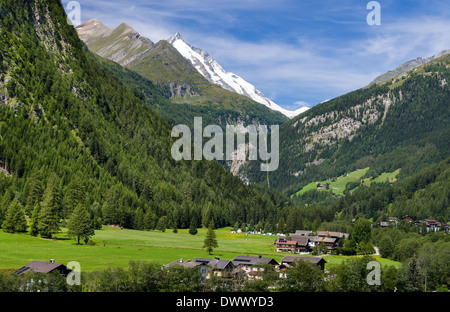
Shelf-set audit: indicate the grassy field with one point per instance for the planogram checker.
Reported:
(334, 260)
(116, 247)
(338, 186)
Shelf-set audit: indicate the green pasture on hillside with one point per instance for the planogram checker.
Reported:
(338, 186)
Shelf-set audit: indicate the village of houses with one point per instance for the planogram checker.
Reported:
(302, 242)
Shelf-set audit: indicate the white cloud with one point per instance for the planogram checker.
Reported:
(406, 39)
(301, 103)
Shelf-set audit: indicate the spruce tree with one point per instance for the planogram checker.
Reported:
(35, 190)
(80, 224)
(34, 230)
(210, 241)
(49, 215)
(15, 220)
(111, 208)
(4, 204)
(96, 209)
(150, 220)
(74, 195)
(138, 222)
(413, 278)
(193, 227)
(161, 225)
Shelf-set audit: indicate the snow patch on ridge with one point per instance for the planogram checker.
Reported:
(213, 72)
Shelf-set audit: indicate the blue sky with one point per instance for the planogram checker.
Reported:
(297, 52)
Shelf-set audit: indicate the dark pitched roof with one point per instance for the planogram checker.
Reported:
(331, 233)
(249, 260)
(300, 239)
(320, 239)
(41, 267)
(287, 242)
(292, 259)
(186, 264)
(432, 222)
(215, 263)
(302, 232)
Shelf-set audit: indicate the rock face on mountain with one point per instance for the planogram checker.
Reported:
(92, 30)
(121, 44)
(406, 67)
(214, 73)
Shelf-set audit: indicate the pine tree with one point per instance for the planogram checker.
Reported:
(414, 278)
(97, 215)
(80, 224)
(74, 195)
(111, 209)
(149, 220)
(49, 215)
(161, 225)
(34, 230)
(206, 215)
(15, 220)
(193, 227)
(210, 241)
(138, 222)
(35, 190)
(4, 204)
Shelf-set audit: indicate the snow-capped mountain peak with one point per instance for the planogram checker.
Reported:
(213, 72)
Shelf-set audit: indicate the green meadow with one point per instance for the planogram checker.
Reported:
(114, 247)
(338, 186)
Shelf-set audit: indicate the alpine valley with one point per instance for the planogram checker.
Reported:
(86, 115)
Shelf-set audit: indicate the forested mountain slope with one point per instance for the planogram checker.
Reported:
(403, 123)
(424, 195)
(72, 133)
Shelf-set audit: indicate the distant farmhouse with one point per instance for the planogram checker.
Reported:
(288, 261)
(249, 265)
(43, 267)
(430, 224)
(207, 267)
(304, 241)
